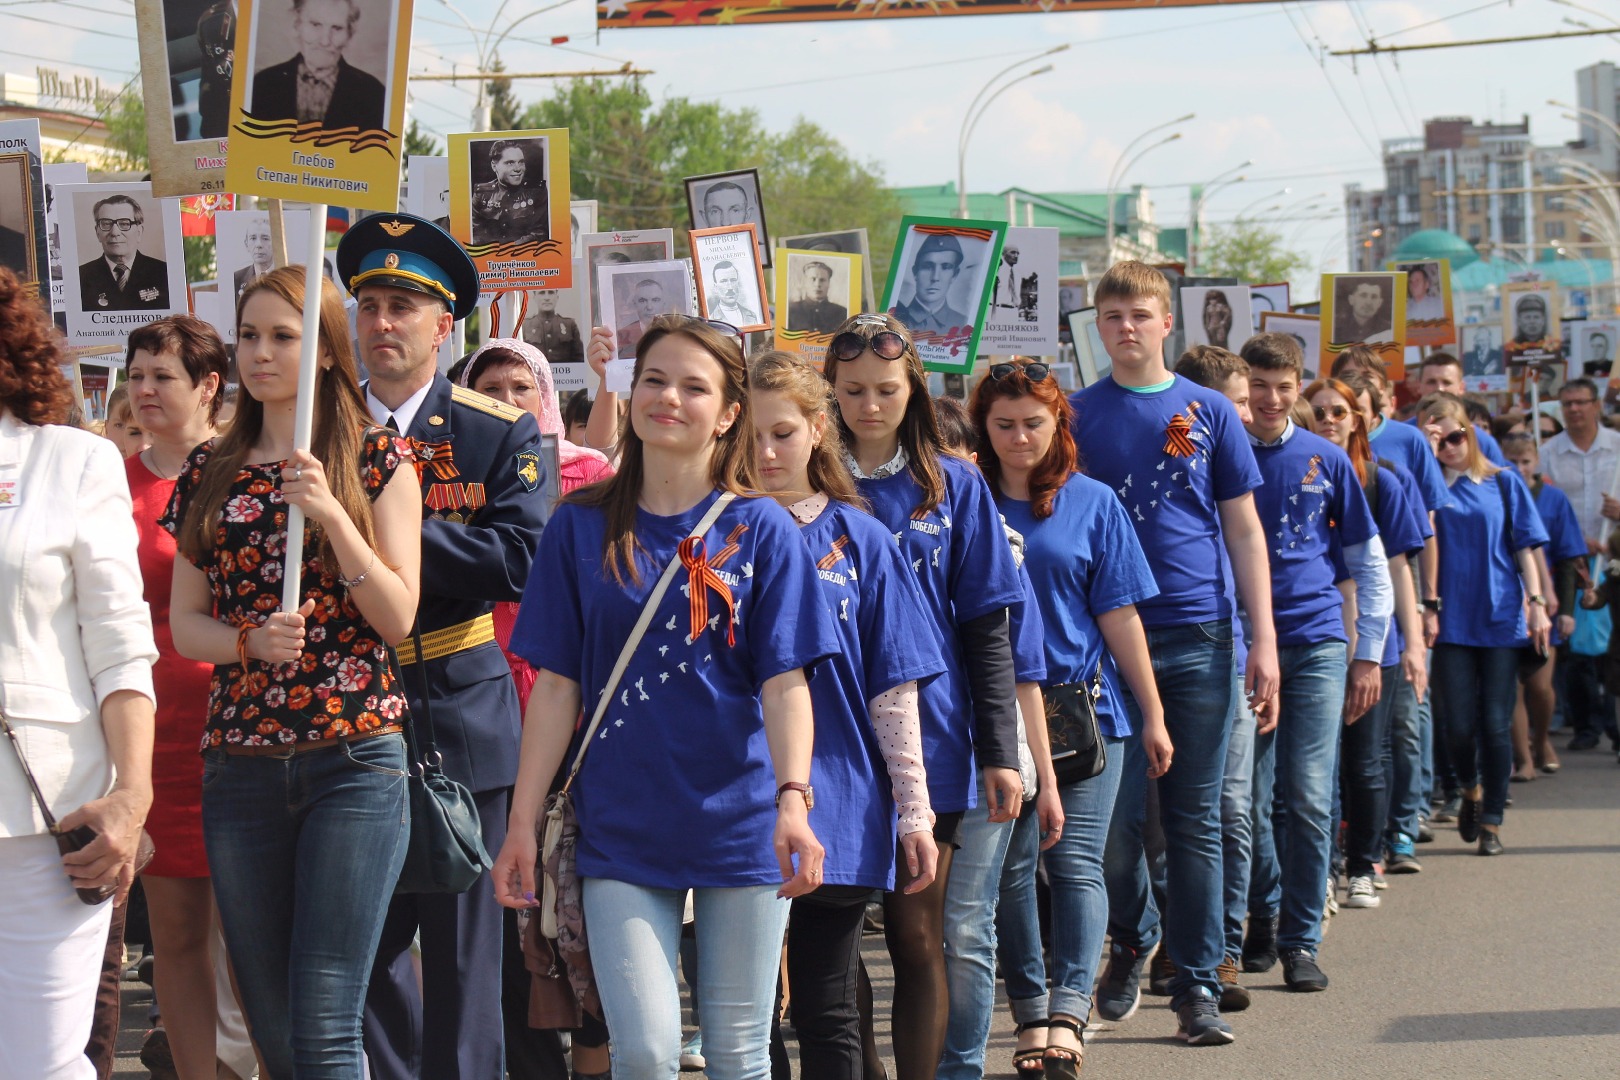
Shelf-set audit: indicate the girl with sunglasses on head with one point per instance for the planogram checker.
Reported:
(1364, 752)
(1089, 573)
(940, 510)
(1491, 594)
(698, 777)
(865, 706)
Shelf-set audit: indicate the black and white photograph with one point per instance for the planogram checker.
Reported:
(843, 241)
(1305, 329)
(719, 200)
(730, 282)
(56, 175)
(1216, 315)
(617, 248)
(1363, 308)
(582, 220)
(127, 262)
(1484, 370)
(22, 203)
(553, 325)
(815, 290)
(1592, 344)
(322, 61)
(1264, 298)
(942, 282)
(1090, 357)
(1530, 326)
(1022, 317)
(188, 54)
(510, 200)
(637, 293)
(243, 252)
(427, 191)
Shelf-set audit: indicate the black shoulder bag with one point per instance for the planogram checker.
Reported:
(1071, 726)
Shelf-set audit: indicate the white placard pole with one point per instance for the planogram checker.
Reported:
(304, 415)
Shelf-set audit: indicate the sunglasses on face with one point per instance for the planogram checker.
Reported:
(1455, 439)
(1331, 412)
(1033, 372)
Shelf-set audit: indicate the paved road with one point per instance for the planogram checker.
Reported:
(1475, 969)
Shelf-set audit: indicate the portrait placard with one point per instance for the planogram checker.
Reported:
(22, 205)
(555, 324)
(318, 109)
(1264, 298)
(634, 294)
(1216, 315)
(1428, 302)
(243, 252)
(617, 248)
(939, 285)
(1549, 376)
(427, 188)
(56, 175)
(730, 281)
(1365, 309)
(187, 56)
(815, 293)
(128, 264)
(1484, 371)
(1023, 313)
(581, 220)
(842, 241)
(1090, 357)
(1305, 329)
(1530, 330)
(509, 207)
(1592, 344)
(719, 200)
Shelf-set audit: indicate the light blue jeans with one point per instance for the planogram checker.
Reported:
(1237, 823)
(971, 896)
(635, 936)
(1408, 797)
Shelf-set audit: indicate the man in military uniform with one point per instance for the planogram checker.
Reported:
(555, 335)
(815, 312)
(938, 260)
(482, 483)
(506, 210)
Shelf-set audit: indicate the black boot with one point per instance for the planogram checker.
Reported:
(1260, 944)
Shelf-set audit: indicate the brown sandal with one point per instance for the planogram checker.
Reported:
(1028, 1063)
(1059, 1062)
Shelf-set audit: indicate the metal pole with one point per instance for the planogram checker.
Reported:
(1114, 174)
(304, 411)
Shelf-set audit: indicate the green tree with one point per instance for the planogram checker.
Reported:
(1248, 251)
(126, 130)
(419, 142)
(504, 107)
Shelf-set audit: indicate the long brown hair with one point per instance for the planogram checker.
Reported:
(1357, 445)
(919, 430)
(776, 372)
(733, 463)
(341, 423)
(1062, 457)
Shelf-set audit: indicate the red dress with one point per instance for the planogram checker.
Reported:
(175, 820)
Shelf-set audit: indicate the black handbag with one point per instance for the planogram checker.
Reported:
(446, 853)
(1071, 726)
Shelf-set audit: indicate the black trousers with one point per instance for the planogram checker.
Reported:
(823, 957)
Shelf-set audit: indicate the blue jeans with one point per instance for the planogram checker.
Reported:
(1237, 824)
(1364, 766)
(970, 938)
(1018, 921)
(1473, 706)
(305, 852)
(635, 935)
(1408, 798)
(1197, 681)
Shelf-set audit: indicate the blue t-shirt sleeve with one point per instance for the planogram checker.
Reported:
(1528, 531)
(1351, 514)
(1122, 575)
(983, 575)
(1028, 635)
(899, 641)
(1397, 519)
(1236, 473)
(1563, 528)
(550, 628)
(787, 622)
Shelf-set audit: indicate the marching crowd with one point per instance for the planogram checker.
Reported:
(1082, 692)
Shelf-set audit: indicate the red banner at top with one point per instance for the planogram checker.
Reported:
(645, 13)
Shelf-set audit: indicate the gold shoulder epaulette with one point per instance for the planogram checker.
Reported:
(474, 400)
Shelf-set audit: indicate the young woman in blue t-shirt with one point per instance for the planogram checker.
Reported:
(1089, 572)
(1491, 597)
(940, 511)
(698, 777)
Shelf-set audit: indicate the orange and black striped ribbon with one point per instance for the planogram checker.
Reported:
(700, 578)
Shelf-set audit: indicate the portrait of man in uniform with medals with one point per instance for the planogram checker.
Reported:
(512, 206)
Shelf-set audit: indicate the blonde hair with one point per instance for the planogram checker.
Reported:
(778, 372)
(1442, 406)
(1131, 279)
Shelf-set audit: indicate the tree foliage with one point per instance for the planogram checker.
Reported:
(1248, 251)
(126, 130)
(504, 107)
(418, 142)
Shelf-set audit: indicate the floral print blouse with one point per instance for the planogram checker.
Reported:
(345, 682)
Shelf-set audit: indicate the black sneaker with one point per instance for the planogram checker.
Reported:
(1584, 741)
(1260, 944)
(1489, 843)
(1161, 970)
(1468, 820)
(1301, 973)
(1199, 1023)
(1425, 835)
(1119, 991)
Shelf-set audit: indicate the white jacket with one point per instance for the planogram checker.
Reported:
(74, 627)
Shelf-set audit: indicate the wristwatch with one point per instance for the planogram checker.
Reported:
(806, 790)
(1432, 605)
(1537, 598)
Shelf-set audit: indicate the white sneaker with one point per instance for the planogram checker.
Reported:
(692, 1059)
(1362, 893)
(1330, 906)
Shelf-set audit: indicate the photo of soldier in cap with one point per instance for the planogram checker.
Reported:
(925, 298)
(1530, 327)
(1529, 320)
(510, 202)
(939, 285)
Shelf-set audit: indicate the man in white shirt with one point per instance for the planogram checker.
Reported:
(1582, 460)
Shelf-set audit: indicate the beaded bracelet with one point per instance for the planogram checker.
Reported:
(241, 646)
(348, 584)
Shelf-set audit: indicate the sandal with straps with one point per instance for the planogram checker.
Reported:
(1030, 1063)
(1059, 1062)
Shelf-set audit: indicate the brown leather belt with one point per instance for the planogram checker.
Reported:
(304, 746)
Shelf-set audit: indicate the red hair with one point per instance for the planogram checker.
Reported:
(1062, 460)
(1358, 446)
(31, 382)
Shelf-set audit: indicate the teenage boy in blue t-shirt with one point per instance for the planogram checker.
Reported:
(1176, 457)
(1310, 499)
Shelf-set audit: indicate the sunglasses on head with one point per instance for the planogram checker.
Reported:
(1331, 412)
(714, 324)
(1455, 439)
(1035, 372)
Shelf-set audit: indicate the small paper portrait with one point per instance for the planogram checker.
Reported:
(22, 214)
(1592, 346)
(1023, 313)
(427, 191)
(1530, 327)
(1541, 379)
(816, 292)
(1264, 298)
(844, 242)
(635, 294)
(509, 208)
(554, 325)
(581, 220)
(129, 266)
(939, 285)
(1428, 302)
(719, 200)
(1365, 309)
(1216, 315)
(243, 251)
(1305, 329)
(1092, 359)
(1484, 371)
(730, 281)
(616, 249)
(188, 53)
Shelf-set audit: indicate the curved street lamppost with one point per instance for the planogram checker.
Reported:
(487, 42)
(1122, 166)
(1112, 192)
(970, 119)
(1197, 208)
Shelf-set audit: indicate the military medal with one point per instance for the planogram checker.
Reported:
(457, 496)
(437, 499)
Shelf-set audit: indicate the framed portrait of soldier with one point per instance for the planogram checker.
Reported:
(841, 242)
(427, 188)
(124, 264)
(816, 292)
(617, 248)
(1304, 329)
(722, 200)
(1592, 344)
(1484, 371)
(188, 50)
(1531, 333)
(730, 281)
(1023, 314)
(1216, 315)
(1264, 298)
(509, 207)
(555, 324)
(243, 252)
(939, 285)
(22, 204)
(1365, 309)
(1429, 319)
(634, 294)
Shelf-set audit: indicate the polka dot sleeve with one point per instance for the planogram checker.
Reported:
(898, 725)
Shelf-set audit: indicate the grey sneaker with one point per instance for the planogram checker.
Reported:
(1119, 991)
(1362, 893)
(1198, 1021)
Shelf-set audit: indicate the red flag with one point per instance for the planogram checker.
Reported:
(197, 213)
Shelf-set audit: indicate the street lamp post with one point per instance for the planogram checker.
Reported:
(487, 49)
(1197, 208)
(1121, 166)
(970, 119)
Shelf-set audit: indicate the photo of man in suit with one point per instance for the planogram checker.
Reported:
(318, 85)
(649, 302)
(726, 302)
(123, 278)
(1362, 312)
(938, 261)
(814, 312)
(257, 242)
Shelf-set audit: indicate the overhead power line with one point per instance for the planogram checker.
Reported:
(1372, 48)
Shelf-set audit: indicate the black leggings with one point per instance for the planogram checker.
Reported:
(824, 963)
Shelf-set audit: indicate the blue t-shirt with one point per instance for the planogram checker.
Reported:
(1564, 539)
(677, 790)
(1170, 457)
(1406, 445)
(1403, 526)
(1309, 500)
(964, 565)
(1028, 631)
(1481, 594)
(1084, 561)
(887, 639)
